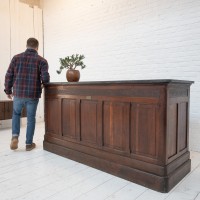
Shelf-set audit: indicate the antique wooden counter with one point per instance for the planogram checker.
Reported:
(137, 130)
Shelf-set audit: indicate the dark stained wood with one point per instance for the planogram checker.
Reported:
(182, 126)
(2, 110)
(88, 118)
(8, 106)
(137, 130)
(53, 116)
(116, 125)
(68, 114)
(172, 130)
(24, 114)
(6, 110)
(144, 135)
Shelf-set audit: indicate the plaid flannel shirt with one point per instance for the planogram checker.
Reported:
(26, 72)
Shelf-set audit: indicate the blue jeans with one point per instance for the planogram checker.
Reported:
(31, 107)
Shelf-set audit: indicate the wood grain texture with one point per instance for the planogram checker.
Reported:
(6, 110)
(142, 137)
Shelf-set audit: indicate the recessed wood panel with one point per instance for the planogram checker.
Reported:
(69, 118)
(182, 124)
(1, 110)
(172, 130)
(88, 121)
(52, 113)
(143, 130)
(116, 125)
(8, 110)
(24, 114)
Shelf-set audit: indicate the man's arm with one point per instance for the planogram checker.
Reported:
(9, 78)
(44, 74)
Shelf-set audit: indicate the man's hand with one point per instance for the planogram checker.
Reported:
(10, 96)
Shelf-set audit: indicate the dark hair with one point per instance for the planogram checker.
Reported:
(32, 43)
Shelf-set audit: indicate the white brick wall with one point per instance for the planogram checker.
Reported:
(128, 39)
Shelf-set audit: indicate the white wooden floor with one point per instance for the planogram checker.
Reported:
(39, 174)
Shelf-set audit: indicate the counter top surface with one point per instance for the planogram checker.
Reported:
(153, 81)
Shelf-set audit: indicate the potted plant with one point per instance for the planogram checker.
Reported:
(71, 63)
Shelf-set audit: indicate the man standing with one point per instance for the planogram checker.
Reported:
(23, 80)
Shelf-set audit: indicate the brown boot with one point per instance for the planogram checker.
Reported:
(14, 143)
(29, 147)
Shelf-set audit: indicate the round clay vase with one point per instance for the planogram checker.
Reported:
(73, 75)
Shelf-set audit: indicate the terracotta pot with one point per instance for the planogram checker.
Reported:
(73, 75)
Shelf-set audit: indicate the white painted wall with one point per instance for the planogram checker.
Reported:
(5, 43)
(128, 40)
(18, 22)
